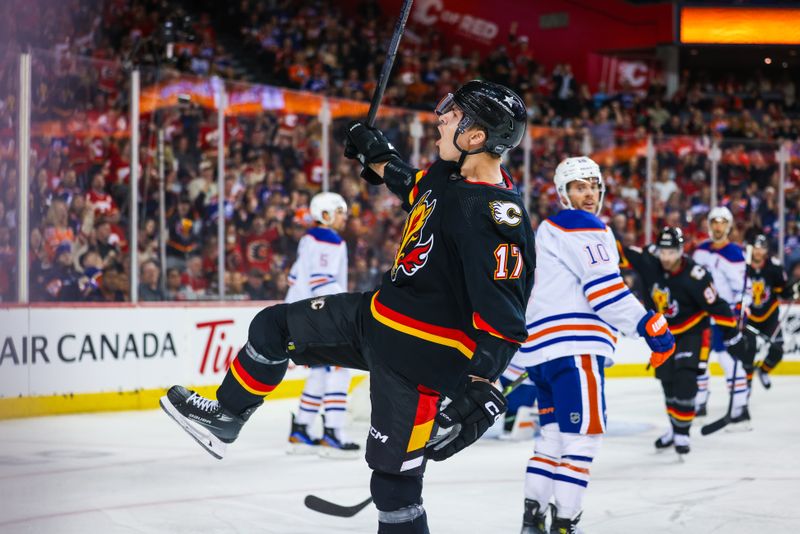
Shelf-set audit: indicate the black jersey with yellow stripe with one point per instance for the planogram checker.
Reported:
(460, 279)
(687, 297)
(767, 283)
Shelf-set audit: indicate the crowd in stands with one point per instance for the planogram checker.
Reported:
(79, 240)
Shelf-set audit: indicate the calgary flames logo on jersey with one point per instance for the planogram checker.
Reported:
(760, 292)
(412, 254)
(661, 298)
(505, 212)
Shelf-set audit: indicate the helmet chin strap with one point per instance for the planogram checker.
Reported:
(464, 153)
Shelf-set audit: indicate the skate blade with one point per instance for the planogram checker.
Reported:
(735, 428)
(206, 439)
(301, 449)
(337, 454)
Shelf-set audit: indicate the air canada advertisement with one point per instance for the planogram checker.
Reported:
(49, 351)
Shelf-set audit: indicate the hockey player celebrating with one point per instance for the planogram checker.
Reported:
(578, 308)
(321, 269)
(725, 261)
(684, 292)
(767, 282)
(445, 320)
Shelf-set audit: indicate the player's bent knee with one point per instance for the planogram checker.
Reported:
(585, 445)
(392, 493)
(268, 333)
(549, 442)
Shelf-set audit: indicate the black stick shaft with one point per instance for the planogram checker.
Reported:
(391, 52)
(515, 384)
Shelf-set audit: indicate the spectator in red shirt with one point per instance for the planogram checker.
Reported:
(258, 245)
(99, 199)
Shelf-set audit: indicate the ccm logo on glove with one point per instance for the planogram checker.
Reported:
(493, 409)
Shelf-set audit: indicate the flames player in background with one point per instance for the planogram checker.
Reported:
(578, 307)
(685, 293)
(725, 261)
(321, 269)
(445, 320)
(767, 282)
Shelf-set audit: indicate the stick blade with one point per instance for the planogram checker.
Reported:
(322, 506)
(712, 427)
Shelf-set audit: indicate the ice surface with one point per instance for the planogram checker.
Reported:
(137, 472)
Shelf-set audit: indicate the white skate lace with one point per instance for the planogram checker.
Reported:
(207, 405)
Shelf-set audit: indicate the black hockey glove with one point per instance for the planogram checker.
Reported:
(469, 416)
(368, 145)
(738, 346)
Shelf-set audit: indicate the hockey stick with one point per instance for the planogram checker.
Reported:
(391, 52)
(722, 422)
(323, 506)
(758, 333)
(515, 384)
(769, 340)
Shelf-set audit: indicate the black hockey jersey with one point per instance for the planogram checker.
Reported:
(687, 298)
(460, 281)
(767, 284)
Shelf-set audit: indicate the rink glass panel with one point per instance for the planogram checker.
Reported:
(80, 128)
(9, 177)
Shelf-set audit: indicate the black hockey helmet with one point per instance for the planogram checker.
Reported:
(493, 107)
(761, 241)
(670, 237)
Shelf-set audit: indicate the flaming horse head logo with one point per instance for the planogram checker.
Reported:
(760, 292)
(412, 254)
(661, 299)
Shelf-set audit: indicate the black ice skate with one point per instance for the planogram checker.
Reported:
(740, 423)
(300, 442)
(682, 444)
(211, 425)
(533, 519)
(665, 441)
(763, 377)
(701, 411)
(563, 525)
(334, 444)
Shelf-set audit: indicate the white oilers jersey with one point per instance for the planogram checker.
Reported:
(580, 303)
(727, 269)
(320, 267)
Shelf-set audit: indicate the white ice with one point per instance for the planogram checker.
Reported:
(137, 472)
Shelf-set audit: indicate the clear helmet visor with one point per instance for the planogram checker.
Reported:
(445, 105)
